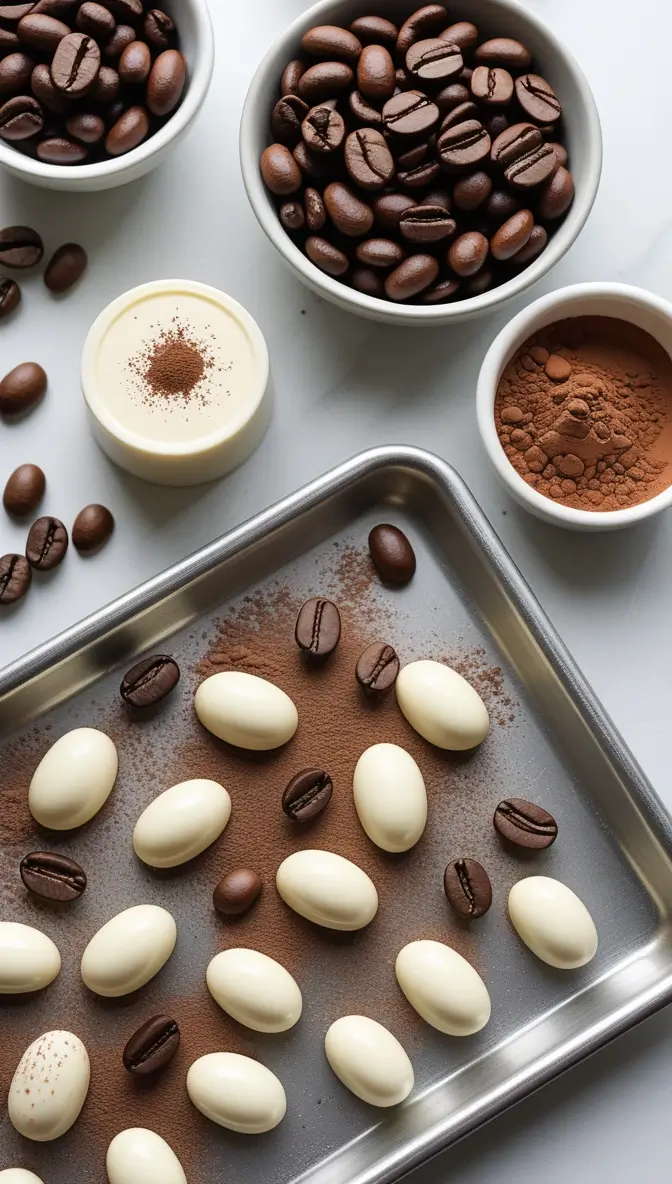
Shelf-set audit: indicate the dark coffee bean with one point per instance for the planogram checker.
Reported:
(326, 256)
(318, 627)
(44, 90)
(533, 247)
(20, 118)
(135, 64)
(501, 205)
(375, 30)
(347, 211)
(60, 150)
(426, 224)
(464, 145)
(440, 293)
(525, 824)
(451, 96)
(9, 42)
(533, 169)
(325, 80)
(89, 129)
(410, 158)
(403, 80)
(468, 253)
(330, 41)
(312, 164)
(434, 60)
(363, 111)
(462, 33)
(512, 235)
(292, 215)
(557, 195)
(123, 35)
(472, 191)
(368, 281)
(422, 23)
(13, 13)
(10, 297)
(307, 795)
(410, 114)
(515, 142)
(149, 681)
(15, 577)
(152, 1047)
(63, 9)
(75, 64)
(377, 667)
(460, 114)
(492, 85)
(538, 99)
(316, 214)
(47, 543)
(127, 10)
(560, 152)
(92, 528)
(368, 159)
(482, 282)
(96, 20)
(392, 554)
(166, 81)
(52, 876)
(504, 51)
(380, 252)
(24, 490)
(496, 124)
(158, 29)
(129, 131)
(22, 388)
(237, 892)
(291, 77)
(468, 888)
(411, 277)
(15, 72)
(323, 129)
(437, 197)
(376, 73)
(286, 119)
(67, 263)
(421, 176)
(389, 207)
(280, 171)
(42, 33)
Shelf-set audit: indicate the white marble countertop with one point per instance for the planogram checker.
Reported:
(343, 384)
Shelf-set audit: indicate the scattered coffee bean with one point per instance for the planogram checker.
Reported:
(24, 490)
(538, 99)
(237, 891)
(468, 253)
(20, 247)
(15, 577)
(53, 877)
(525, 824)
(20, 118)
(152, 1047)
(149, 681)
(307, 795)
(411, 277)
(166, 82)
(318, 627)
(22, 388)
(47, 543)
(10, 296)
(468, 888)
(66, 265)
(375, 30)
(92, 528)
(377, 667)
(392, 554)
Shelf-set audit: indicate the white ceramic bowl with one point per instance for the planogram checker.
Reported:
(504, 17)
(197, 43)
(626, 303)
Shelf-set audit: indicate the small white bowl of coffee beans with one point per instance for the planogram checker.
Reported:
(420, 165)
(93, 93)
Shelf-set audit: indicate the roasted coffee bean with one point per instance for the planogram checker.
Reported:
(88, 128)
(440, 293)
(403, 79)
(20, 118)
(433, 60)
(135, 63)
(10, 297)
(53, 877)
(14, 12)
(129, 131)
(377, 667)
(42, 33)
(123, 35)
(504, 51)
(166, 81)
(63, 9)
(15, 577)
(472, 191)
(237, 892)
(451, 96)
(391, 552)
(291, 77)
(312, 164)
(375, 30)
(468, 888)
(376, 73)
(318, 627)
(389, 207)
(422, 23)
(410, 114)
(22, 388)
(368, 159)
(468, 253)
(75, 64)
(462, 33)
(362, 110)
(92, 528)
(512, 235)
(9, 42)
(316, 215)
(127, 10)
(525, 824)
(149, 681)
(44, 90)
(482, 282)
(292, 215)
(95, 20)
(501, 205)
(158, 29)
(326, 256)
(61, 150)
(15, 72)
(538, 99)
(556, 196)
(323, 129)
(533, 247)
(515, 142)
(324, 80)
(280, 171)
(330, 41)
(152, 1047)
(68, 263)
(24, 490)
(426, 224)
(411, 277)
(307, 795)
(437, 197)
(496, 124)
(460, 114)
(368, 281)
(47, 543)
(533, 169)
(492, 84)
(410, 158)
(464, 145)
(380, 252)
(286, 119)
(560, 152)
(421, 176)
(347, 211)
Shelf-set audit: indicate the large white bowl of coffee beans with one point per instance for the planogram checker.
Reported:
(420, 165)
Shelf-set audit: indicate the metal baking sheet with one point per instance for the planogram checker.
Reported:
(551, 741)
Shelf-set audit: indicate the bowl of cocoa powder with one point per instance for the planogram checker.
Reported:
(574, 406)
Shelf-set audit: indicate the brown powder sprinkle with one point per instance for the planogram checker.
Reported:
(173, 365)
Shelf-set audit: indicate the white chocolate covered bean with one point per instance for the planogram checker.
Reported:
(139, 1156)
(390, 797)
(73, 779)
(254, 989)
(442, 706)
(129, 950)
(246, 711)
(327, 889)
(443, 987)
(49, 1086)
(553, 922)
(236, 1092)
(369, 1060)
(181, 822)
(29, 960)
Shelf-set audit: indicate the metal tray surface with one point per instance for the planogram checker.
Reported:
(551, 742)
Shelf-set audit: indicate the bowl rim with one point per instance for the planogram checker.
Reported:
(497, 357)
(417, 313)
(198, 78)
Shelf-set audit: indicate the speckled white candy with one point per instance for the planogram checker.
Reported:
(246, 710)
(29, 960)
(390, 797)
(553, 922)
(139, 1156)
(236, 1092)
(18, 1176)
(443, 987)
(369, 1060)
(442, 706)
(129, 950)
(73, 779)
(254, 989)
(181, 822)
(327, 889)
(49, 1087)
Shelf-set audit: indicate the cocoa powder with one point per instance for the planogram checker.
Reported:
(584, 414)
(172, 365)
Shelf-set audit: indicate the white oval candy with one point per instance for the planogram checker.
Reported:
(442, 706)
(327, 889)
(553, 922)
(49, 1086)
(369, 1060)
(236, 1092)
(246, 711)
(181, 823)
(129, 950)
(139, 1156)
(18, 1176)
(73, 779)
(443, 987)
(29, 960)
(255, 990)
(390, 797)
